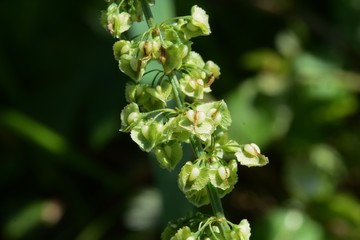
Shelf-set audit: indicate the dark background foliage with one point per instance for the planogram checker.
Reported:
(290, 75)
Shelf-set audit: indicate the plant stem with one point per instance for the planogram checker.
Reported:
(174, 84)
(148, 14)
(215, 199)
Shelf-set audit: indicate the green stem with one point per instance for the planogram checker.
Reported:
(196, 144)
(215, 199)
(148, 14)
(174, 84)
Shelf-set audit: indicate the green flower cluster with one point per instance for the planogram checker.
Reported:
(157, 126)
(119, 15)
(204, 227)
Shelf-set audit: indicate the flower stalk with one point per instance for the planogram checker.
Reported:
(157, 127)
(148, 14)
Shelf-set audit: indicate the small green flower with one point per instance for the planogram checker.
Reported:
(198, 124)
(122, 47)
(241, 231)
(250, 156)
(116, 22)
(129, 116)
(224, 177)
(184, 234)
(192, 182)
(198, 24)
(213, 71)
(194, 60)
(132, 66)
(147, 134)
(147, 97)
(200, 19)
(193, 85)
(169, 154)
(172, 56)
(150, 48)
(218, 112)
(193, 177)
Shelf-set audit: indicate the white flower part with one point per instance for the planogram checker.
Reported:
(200, 82)
(193, 84)
(223, 172)
(217, 118)
(252, 149)
(200, 117)
(195, 172)
(156, 45)
(200, 19)
(245, 229)
(190, 238)
(216, 229)
(190, 115)
(132, 117)
(196, 117)
(159, 127)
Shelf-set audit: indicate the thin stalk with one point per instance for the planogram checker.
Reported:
(174, 84)
(148, 14)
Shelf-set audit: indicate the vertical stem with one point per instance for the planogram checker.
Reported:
(174, 84)
(148, 14)
(215, 199)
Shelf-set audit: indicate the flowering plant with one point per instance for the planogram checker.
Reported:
(158, 127)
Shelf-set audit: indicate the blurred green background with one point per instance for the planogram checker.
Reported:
(291, 78)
